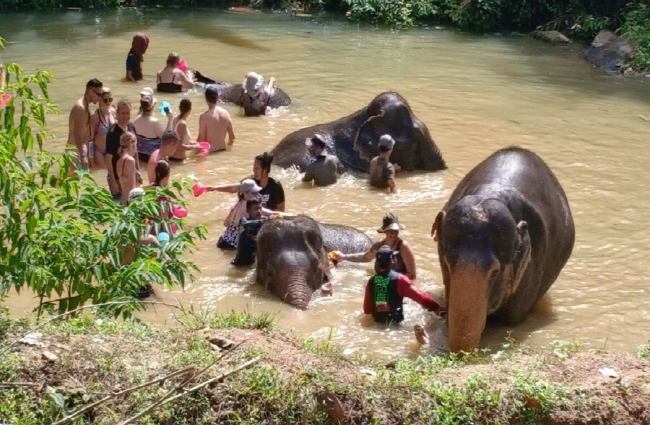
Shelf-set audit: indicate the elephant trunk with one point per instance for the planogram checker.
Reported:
(293, 287)
(467, 305)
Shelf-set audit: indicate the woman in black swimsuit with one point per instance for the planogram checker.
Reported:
(172, 79)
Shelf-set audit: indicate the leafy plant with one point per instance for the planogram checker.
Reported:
(64, 236)
(636, 27)
(398, 13)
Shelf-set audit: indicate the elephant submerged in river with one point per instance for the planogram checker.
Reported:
(354, 139)
(503, 238)
(233, 92)
(292, 255)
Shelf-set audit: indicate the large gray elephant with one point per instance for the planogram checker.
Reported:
(503, 238)
(292, 255)
(232, 93)
(354, 139)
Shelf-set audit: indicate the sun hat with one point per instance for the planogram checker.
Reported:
(316, 140)
(147, 94)
(390, 223)
(249, 185)
(253, 83)
(387, 141)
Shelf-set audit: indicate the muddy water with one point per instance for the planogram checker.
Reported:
(476, 94)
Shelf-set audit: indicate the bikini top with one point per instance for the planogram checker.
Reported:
(170, 87)
(103, 125)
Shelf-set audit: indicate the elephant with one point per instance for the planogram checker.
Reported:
(292, 255)
(232, 92)
(354, 139)
(503, 237)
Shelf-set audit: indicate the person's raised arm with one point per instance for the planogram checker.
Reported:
(227, 188)
(271, 83)
(358, 257)
(408, 256)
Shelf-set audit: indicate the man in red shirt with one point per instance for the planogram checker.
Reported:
(386, 290)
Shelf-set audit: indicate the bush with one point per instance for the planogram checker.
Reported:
(65, 236)
(400, 13)
(636, 27)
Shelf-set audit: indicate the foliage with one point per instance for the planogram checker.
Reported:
(399, 13)
(64, 236)
(192, 319)
(587, 27)
(644, 351)
(636, 27)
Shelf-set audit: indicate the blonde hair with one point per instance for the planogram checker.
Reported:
(173, 59)
(125, 141)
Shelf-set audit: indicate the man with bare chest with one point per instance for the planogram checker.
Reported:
(79, 122)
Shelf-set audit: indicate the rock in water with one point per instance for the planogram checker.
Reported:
(609, 52)
(553, 37)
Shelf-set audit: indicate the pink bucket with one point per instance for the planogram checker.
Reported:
(182, 66)
(205, 149)
(180, 212)
(198, 189)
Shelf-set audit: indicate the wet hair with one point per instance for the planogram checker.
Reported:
(170, 136)
(384, 149)
(253, 202)
(265, 161)
(185, 106)
(122, 103)
(211, 95)
(173, 59)
(125, 141)
(94, 84)
(162, 171)
(146, 106)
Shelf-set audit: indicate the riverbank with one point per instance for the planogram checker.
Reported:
(238, 369)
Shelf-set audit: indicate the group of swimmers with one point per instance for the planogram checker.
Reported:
(106, 138)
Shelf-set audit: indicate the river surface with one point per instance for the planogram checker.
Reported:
(476, 94)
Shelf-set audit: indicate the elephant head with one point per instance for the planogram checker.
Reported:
(389, 113)
(483, 254)
(291, 259)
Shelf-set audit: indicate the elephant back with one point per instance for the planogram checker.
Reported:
(346, 239)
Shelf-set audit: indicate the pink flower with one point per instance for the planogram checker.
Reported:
(5, 98)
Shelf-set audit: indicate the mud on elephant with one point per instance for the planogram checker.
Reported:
(503, 238)
(292, 255)
(354, 139)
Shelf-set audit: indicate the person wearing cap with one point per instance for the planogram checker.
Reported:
(135, 57)
(324, 169)
(248, 190)
(256, 96)
(147, 127)
(215, 123)
(404, 259)
(249, 227)
(79, 122)
(385, 292)
(172, 79)
(382, 172)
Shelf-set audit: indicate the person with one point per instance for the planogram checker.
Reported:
(168, 146)
(215, 123)
(79, 121)
(249, 227)
(385, 291)
(147, 127)
(172, 79)
(405, 258)
(100, 122)
(325, 169)
(126, 164)
(122, 125)
(135, 57)
(382, 172)
(180, 127)
(256, 97)
(272, 193)
(248, 190)
(162, 172)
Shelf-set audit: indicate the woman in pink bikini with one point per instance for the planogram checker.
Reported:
(100, 122)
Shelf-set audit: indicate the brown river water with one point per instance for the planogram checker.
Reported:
(476, 93)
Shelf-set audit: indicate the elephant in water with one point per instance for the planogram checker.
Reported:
(292, 255)
(233, 92)
(354, 139)
(503, 238)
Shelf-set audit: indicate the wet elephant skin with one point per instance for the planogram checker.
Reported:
(503, 238)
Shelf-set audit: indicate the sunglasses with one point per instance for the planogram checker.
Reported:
(109, 100)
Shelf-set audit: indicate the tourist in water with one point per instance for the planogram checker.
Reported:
(135, 57)
(272, 193)
(100, 122)
(249, 227)
(256, 95)
(180, 127)
(248, 190)
(147, 126)
(324, 169)
(126, 164)
(79, 121)
(215, 123)
(168, 146)
(404, 259)
(113, 136)
(172, 79)
(382, 172)
(385, 292)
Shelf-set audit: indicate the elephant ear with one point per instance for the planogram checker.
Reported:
(435, 227)
(395, 120)
(521, 258)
